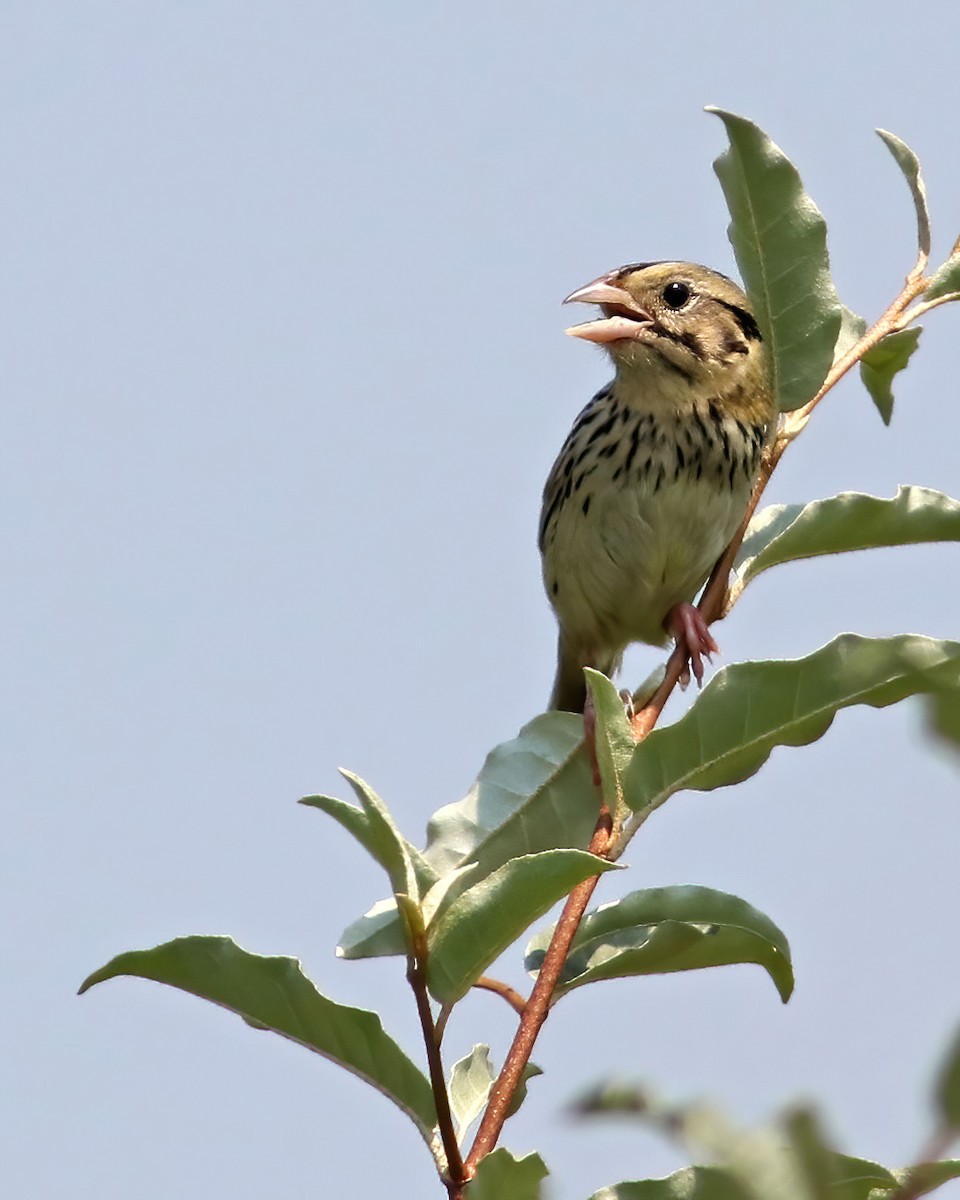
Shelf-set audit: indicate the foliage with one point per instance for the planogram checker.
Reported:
(552, 809)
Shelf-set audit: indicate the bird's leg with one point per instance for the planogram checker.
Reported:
(687, 625)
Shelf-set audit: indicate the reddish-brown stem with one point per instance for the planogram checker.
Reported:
(537, 1008)
(511, 995)
(417, 978)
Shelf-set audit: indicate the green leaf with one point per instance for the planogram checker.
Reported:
(857, 1178)
(529, 796)
(660, 930)
(471, 1079)
(390, 849)
(815, 1160)
(884, 360)
(614, 738)
(944, 717)
(500, 1176)
(909, 164)
(377, 934)
(530, 1071)
(947, 1087)
(780, 242)
(377, 837)
(945, 281)
(273, 993)
(692, 1183)
(783, 533)
(441, 895)
(375, 830)
(749, 708)
(492, 914)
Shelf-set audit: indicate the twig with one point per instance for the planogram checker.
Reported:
(417, 978)
(514, 998)
(511, 995)
(893, 320)
(936, 1148)
(537, 1008)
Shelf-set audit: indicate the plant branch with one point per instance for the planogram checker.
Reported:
(511, 995)
(537, 1008)
(936, 1148)
(894, 319)
(417, 978)
(919, 309)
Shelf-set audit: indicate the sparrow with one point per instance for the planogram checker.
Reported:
(656, 473)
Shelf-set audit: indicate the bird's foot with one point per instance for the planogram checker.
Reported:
(687, 625)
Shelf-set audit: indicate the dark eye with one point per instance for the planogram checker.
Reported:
(676, 294)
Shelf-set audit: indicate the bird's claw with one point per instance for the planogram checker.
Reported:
(694, 638)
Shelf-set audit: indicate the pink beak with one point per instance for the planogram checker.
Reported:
(612, 328)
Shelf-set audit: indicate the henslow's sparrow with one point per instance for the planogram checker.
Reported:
(655, 475)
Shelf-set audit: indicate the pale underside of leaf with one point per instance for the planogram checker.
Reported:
(690, 1183)
(945, 280)
(909, 164)
(852, 329)
(392, 851)
(662, 930)
(471, 1078)
(529, 797)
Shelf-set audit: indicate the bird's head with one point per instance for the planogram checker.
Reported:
(676, 319)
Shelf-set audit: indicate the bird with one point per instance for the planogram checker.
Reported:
(656, 473)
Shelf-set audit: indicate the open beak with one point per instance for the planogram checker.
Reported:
(622, 316)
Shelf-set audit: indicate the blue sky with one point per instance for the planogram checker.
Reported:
(284, 372)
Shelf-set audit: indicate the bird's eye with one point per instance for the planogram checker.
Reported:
(676, 294)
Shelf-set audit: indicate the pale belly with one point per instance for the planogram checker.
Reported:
(636, 554)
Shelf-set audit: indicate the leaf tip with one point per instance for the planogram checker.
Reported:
(94, 978)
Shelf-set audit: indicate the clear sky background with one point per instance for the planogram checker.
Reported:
(283, 374)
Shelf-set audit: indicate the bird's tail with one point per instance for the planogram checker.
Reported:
(569, 687)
